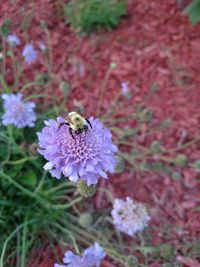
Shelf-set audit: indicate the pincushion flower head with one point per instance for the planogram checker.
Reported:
(87, 153)
(13, 40)
(129, 217)
(125, 88)
(18, 112)
(91, 257)
(29, 54)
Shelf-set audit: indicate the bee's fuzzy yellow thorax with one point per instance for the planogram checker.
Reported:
(77, 121)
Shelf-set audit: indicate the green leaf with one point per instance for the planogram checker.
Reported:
(176, 176)
(120, 165)
(166, 123)
(159, 166)
(155, 88)
(129, 132)
(145, 166)
(144, 115)
(29, 178)
(166, 251)
(64, 87)
(197, 165)
(193, 11)
(132, 261)
(156, 147)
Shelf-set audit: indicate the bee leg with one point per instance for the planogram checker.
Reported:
(78, 131)
(63, 123)
(89, 123)
(85, 127)
(71, 132)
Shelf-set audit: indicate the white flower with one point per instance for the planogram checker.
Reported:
(13, 40)
(129, 217)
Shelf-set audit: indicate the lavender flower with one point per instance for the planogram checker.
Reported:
(42, 46)
(91, 257)
(129, 217)
(29, 53)
(13, 40)
(87, 156)
(125, 88)
(17, 112)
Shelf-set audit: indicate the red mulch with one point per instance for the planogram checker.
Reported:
(155, 45)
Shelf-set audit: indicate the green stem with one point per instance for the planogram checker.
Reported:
(192, 142)
(109, 194)
(16, 162)
(34, 96)
(28, 85)
(39, 186)
(4, 84)
(10, 237)
(24, 239)
(60, 186)
(24, 190)
(67, 205)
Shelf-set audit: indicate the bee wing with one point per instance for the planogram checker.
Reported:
(64, 115)
(78, 110)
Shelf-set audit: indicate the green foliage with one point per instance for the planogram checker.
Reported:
(156, 166)
(176, 176)
(93, 15)
(193, 11)
(197, 165)
(5, 27)
(35, 207)
(156, 147)
(144, 115)
(166, 251)
(120, 165)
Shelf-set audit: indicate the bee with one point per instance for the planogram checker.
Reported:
(76, 122)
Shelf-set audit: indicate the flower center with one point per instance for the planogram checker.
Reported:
(18, 110)
(81, 146)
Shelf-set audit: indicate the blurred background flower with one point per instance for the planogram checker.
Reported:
(91, 257)
(18, 112)
(13, 40)
(129, 217)
(29, 54)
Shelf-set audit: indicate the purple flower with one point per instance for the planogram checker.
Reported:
(91, 257)
(13, 40)
(125, 88)
(87, 156)
(94, 254)
(42, 46)
(129, 217)
(29, 53)
(17, 112)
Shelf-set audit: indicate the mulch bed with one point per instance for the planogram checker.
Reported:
(155, 46)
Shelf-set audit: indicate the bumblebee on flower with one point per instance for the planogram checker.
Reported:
(78, 149)
(76, 122)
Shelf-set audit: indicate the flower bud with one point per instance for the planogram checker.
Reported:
(85, 220)
(180, 160)
(85, 190)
